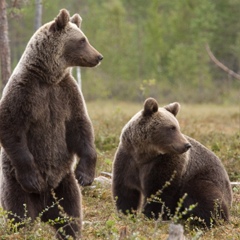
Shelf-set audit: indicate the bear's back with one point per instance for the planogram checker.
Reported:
(203, 164)
(202, 159)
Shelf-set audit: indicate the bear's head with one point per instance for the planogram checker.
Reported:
(155, 131)
(75, 49)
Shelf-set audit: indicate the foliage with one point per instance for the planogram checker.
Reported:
(162, 40)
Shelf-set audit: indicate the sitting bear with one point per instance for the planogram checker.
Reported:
(155, 158)
(44, 124)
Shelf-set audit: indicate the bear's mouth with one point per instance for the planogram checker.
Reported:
(87, 63)
(179, 150)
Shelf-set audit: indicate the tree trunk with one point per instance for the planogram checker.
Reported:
(5, 57)
(38, 14)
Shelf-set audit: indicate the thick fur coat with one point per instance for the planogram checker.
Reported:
(44, 124)
(155, 159)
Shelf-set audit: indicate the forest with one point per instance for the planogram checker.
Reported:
(151, 48)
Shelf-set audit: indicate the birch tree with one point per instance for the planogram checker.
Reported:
(38, 14)
(5, 57)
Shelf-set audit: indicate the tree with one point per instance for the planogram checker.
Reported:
(4, 45)
(38, 14)
(158, 41)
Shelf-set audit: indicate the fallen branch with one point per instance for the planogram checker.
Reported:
(219, 64)
(235, 183)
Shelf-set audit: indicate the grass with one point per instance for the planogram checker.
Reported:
(217, 127)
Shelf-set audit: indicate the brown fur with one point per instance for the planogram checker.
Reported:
(44, 123)
(152, 150)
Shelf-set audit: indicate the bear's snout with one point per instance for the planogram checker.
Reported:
(187, 146)
(100, 58)
(181, 148)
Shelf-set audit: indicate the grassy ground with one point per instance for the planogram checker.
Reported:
(217, 127)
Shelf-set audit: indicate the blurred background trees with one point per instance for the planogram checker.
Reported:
(151, 48)
(5, 57)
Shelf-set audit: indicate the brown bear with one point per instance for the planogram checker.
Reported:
(44, 124)
(155, 159)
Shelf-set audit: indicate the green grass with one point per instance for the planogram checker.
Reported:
(217, 127)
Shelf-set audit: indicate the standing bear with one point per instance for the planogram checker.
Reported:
(155, 159)
(44, 124)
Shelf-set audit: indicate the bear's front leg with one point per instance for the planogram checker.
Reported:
(26, 172)
(159, 190)
(30, 178)
(80, 140)
(85, 169)
(126, 188)
(160, 202)
(154, 208)
(127, 200)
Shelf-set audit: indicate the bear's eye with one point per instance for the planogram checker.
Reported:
(82, 41)
(172, 128)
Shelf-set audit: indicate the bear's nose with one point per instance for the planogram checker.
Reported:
(187, 146)
(100, 58)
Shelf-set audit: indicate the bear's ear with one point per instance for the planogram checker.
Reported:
(150, 107)
(60, 21)
(77, 20)
(173, 108)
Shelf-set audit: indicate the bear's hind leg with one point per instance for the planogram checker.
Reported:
(211, 206)
(67, 209)
(17, 202)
